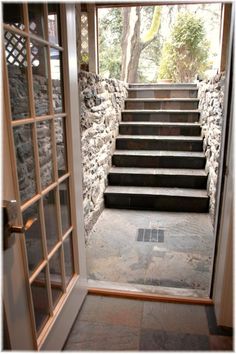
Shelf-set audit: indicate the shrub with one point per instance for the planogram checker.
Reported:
(185, 54)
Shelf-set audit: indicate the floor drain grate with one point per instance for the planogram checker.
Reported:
(150, 235)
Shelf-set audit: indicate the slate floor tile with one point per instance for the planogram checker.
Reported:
(179, 318)
(100, 336)
(115, 311)
(161, 340)
(221, 342)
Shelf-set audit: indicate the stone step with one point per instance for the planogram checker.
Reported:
(163, 85)
(155, 198)
(151, 128)
(163, 92)
(188, 116)
(157, 177)
(158, 159)
(159, 142)
(164, 103)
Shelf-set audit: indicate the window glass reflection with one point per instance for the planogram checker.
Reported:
(25, 161)
(69, 260)
(16, 59)
(53, 23)
(55, 277)
(40, 301)
(50, 217)
(60, 134)
(57, 84)
(40, 77)
(44, 136)
(33, 237)
(65, 205)
(36, 19)
(13, 15)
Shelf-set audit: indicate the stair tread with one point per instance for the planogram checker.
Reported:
(187, 99)
(159, 153)
(161, 137)
(161, 124)
(182, 84)
(159, 171)
(178, 192)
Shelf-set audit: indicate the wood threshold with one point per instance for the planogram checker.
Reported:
(149, 297)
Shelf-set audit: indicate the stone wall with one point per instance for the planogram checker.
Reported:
(101, 103)
(211, 95)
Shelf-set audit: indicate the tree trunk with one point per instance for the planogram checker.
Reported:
(131, 43)
(131, 47)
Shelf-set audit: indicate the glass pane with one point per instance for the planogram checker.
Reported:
(40, 301)
(57, 84)
(45, 152)
(65, 205)
(60, 134)
(33, 237)
(25, 161)
(84, 50)
(69, 260)
(53, 23)
(55, 277)
(50, 217)
(36, 19)
(40, 77)
(13, 15)
(15, 51)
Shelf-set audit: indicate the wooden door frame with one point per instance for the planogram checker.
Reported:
(57, 328)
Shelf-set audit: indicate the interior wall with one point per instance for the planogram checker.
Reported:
(223, 269)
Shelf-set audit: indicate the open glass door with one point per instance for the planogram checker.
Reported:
(42, 127)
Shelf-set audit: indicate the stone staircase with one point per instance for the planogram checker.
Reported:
(159, 162)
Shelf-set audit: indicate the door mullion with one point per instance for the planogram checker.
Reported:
(63, 271)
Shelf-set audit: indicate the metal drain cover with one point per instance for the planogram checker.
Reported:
(150, 235)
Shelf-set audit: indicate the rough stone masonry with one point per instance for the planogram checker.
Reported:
(211, 95)
(101, 103)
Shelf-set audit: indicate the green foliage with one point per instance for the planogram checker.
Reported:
(185, 54)
(84, 58)
(110, 31)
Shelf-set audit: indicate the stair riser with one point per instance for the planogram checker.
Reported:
(160, 117)
(145, 180)
(185, 105)
(160, 203)
(148, 144)
(160, 130)
(168, 93)
(159, 161)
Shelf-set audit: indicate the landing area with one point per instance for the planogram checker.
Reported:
(157, 252)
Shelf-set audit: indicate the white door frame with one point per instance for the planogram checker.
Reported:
(16, 288)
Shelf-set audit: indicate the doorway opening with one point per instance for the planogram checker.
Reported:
(156, 233)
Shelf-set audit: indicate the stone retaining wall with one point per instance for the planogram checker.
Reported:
(101, 103)
(211, 95)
